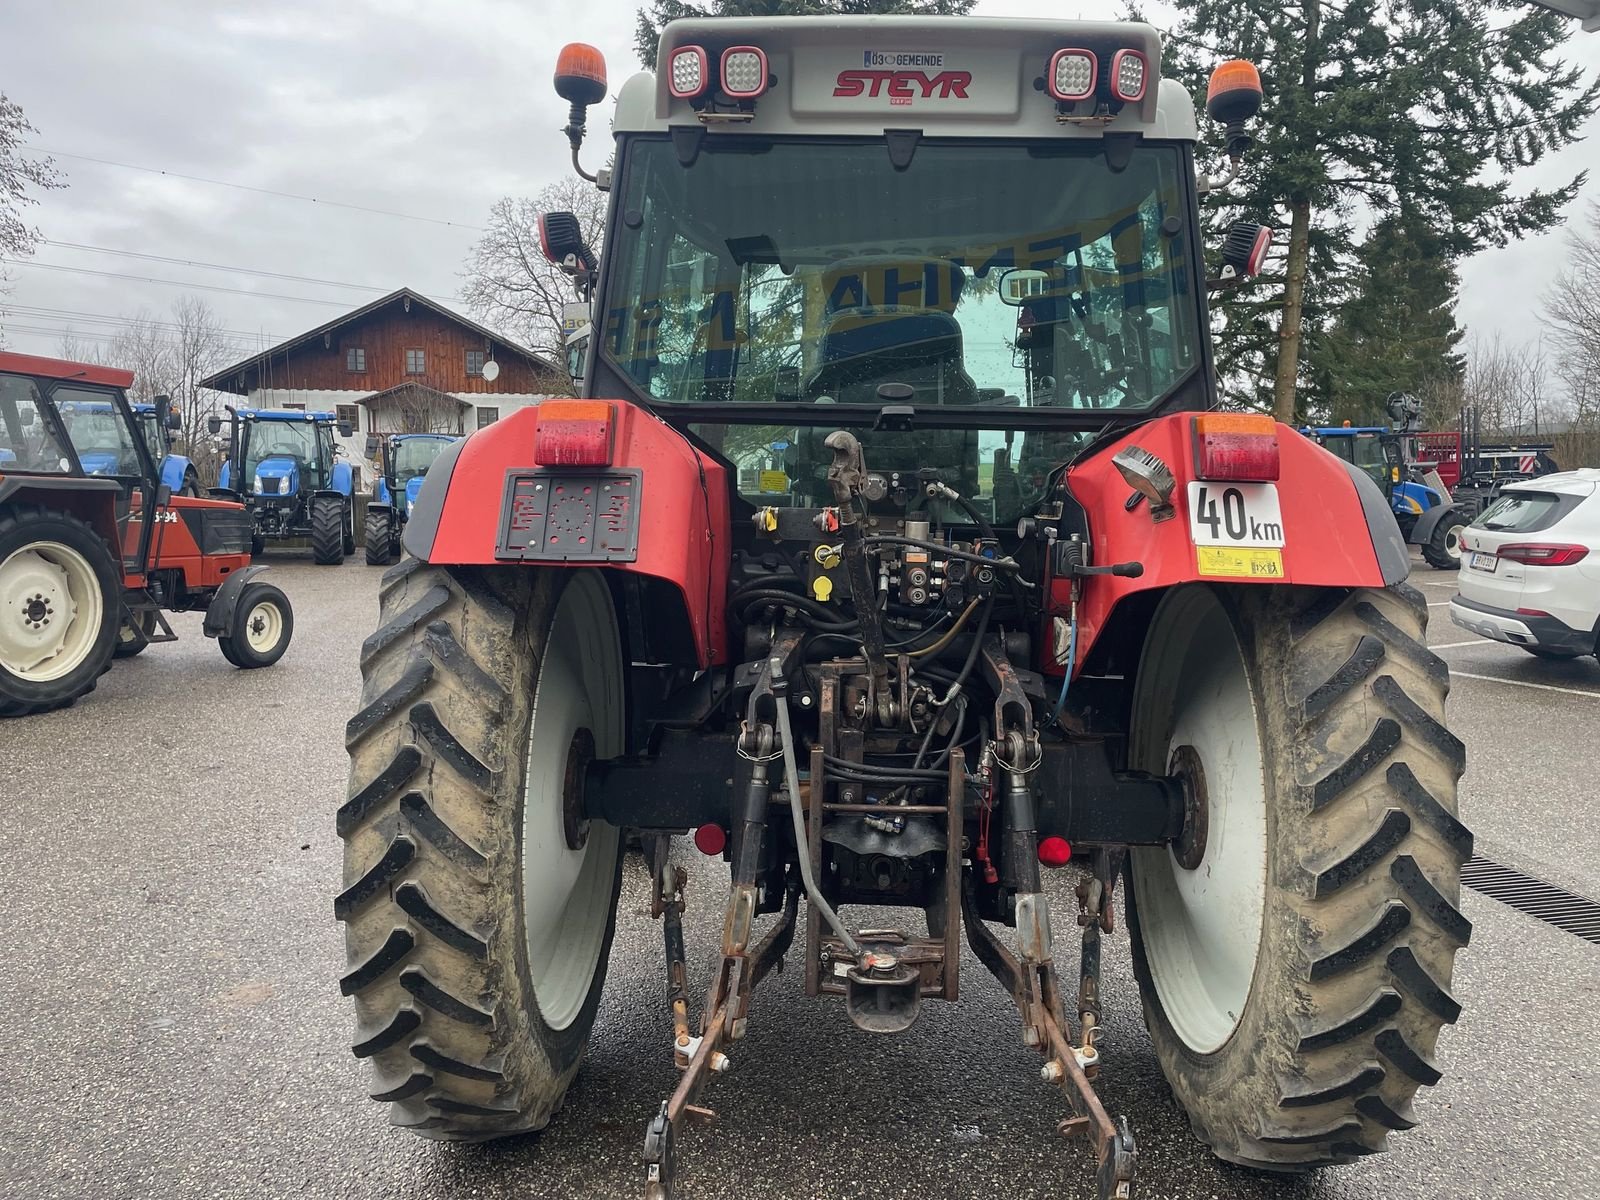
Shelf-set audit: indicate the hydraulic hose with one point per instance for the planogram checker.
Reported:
(791, 779)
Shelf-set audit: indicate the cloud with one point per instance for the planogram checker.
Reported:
(416, 106)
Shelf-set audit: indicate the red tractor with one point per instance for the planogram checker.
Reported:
(84, 576)
(896, 549)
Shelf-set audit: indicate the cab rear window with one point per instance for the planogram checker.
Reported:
(1526, 512)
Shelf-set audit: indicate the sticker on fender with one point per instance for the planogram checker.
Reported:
(1237, 529)
(1241, 564)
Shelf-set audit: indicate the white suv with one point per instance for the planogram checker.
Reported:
(1530, 567)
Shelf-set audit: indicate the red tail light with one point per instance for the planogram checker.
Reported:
(710, 840)
(1235, 446)
(574, 433)
(1054, 852)
(1544, 554)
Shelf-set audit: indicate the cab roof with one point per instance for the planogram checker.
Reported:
(60, 368)
(283, 414)
(832, 76)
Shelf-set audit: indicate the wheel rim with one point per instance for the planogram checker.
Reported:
(1201, 927)
(50, 611)
(568, 864)
(263, 627)
(1452, 542)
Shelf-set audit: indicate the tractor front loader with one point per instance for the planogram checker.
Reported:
(896, 548)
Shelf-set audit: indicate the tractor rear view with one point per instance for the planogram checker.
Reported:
(897, 550)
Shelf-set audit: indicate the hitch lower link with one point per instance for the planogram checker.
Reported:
(1031, 975)
(724, 1018)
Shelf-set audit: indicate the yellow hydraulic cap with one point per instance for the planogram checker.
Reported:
(767, 520)
(827, 556)
(822, 587)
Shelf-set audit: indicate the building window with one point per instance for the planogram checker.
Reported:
(475, 364)
(416, 362)
(355, 359)
(348, 414)
(487, 416)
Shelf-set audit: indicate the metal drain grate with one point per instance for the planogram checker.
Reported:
(1566, 910)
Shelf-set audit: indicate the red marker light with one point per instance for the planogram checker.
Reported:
(1054, 852)
(573, 433)
(1238, 446)
(710, 840)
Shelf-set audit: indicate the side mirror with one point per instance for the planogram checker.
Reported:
(170, 420)
(345, 429)
(1021, 285)
(372, 446)
(163, 495)
(27, 419)
(213, 424)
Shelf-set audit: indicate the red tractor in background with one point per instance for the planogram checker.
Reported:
(85, 577)
(896, 598)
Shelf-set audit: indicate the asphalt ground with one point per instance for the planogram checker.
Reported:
(170, 1023)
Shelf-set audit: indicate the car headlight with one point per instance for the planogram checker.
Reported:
(283, 486)
(258, 486)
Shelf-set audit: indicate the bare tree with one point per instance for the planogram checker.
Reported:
(510, 283)
(198, 348)
(424, 411)
(20, 174)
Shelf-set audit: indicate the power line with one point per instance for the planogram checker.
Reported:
(29, 312)
(185, 262)
(43, 151)
(204, 287)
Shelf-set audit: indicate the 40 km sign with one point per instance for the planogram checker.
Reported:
(1237, 529)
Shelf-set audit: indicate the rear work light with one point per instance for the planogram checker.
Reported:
(1073, 74)
(687, 73)
(1544, 554)
(744, 72)
(1236, 446)
(1128, 75)
(574, 433)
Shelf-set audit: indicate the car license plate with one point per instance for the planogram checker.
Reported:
(1484, 562)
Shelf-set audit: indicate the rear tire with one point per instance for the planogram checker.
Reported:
(258, 545)
(263, 623)
(1306, 1048)
(1443, 550)
(134, 635)
(476, 938)
(191, 486)
(380, 543)
(349, 528)
(60, 608)
(327, 531)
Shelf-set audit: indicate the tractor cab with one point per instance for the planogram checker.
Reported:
(158, 424)
(1375, 451)
(296, 481)
(403, 460)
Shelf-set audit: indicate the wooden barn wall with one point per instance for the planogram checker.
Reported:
(386, 337)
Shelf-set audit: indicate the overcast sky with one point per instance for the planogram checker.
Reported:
(432, 109)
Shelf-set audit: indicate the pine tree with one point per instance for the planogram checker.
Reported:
(1397, 332)
(1371, 108)
(656, 13)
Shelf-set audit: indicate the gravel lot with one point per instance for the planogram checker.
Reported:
(173, 1026)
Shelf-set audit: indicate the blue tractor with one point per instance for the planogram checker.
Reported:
(284, 466)
(1426, 515)
(403, 460)
(99, 427)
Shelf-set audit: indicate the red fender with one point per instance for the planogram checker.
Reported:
(684, 535)
(1329, 535)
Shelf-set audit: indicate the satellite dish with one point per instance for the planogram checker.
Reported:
(491, 371)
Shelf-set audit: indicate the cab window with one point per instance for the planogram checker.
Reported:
(26, 442)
